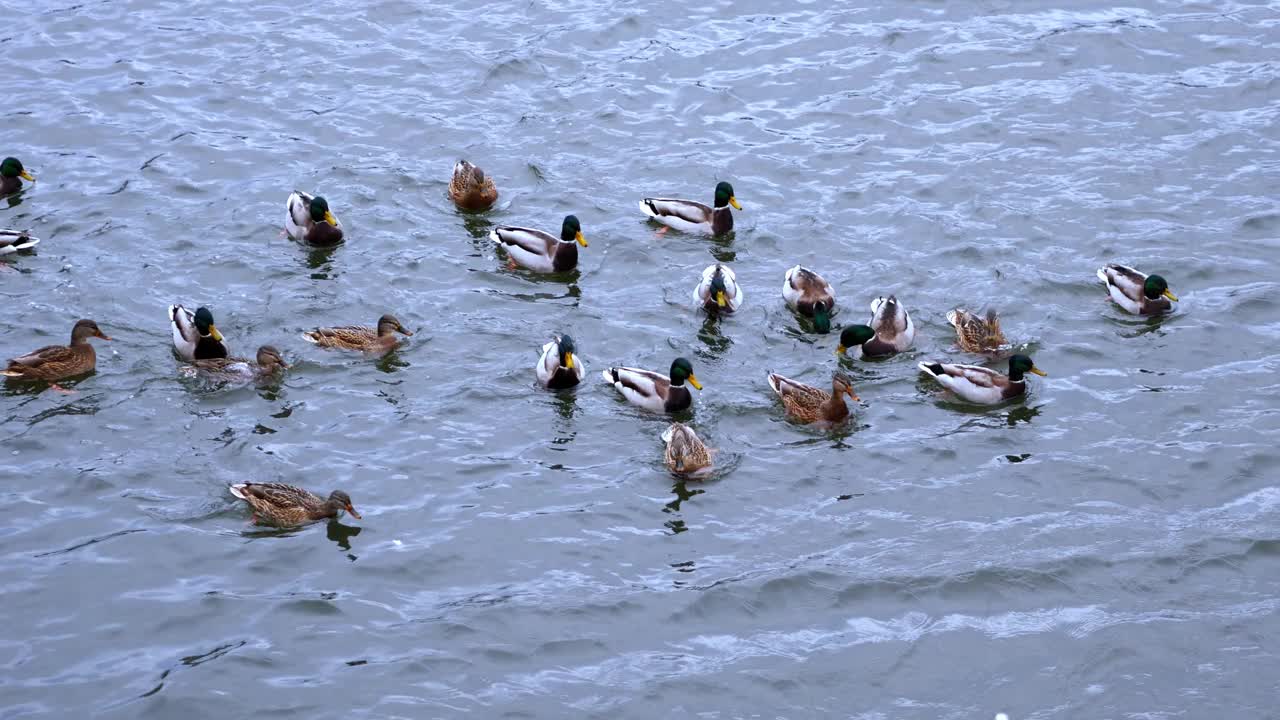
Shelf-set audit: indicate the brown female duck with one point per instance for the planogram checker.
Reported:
(807, 404)
(686, 453)
(977, 334)
(268, 363)
(286, 505)
(470, 189)
(356, 337)
(56, 362)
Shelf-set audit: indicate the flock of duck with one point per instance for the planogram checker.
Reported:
(309, 220)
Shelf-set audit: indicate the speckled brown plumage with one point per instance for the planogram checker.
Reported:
(807, 404)
(977, 334)
(55, 362)
(286, 505)
(686, 454)
(357, 337)
(470, 189)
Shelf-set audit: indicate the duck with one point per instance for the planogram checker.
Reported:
(470, 189)
(807, 404)
(982, 385)
(686, 454)
(308, 219)
(1136, 292)
(58, 362)
(11, 241)
(890, 332)
(287, 506)
(808, 294)
(653, 391)
(693, 216)
(357, 337)
(542, 251)
(12, 173)
(718, 290)
(559, 368)
(195, 337)
(977, 334)
(268, 363)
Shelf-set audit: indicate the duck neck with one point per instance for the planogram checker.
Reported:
(835, 408)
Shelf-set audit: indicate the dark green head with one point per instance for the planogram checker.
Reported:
(821, 317)
(1155, 286)
(724, 196)
(12, 167)
(571, 230)
(320, 211)
(853, 336)
(682, 371)
(567, 349)
(1020, 364)
(204, 320)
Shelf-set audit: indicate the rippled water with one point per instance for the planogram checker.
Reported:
(1106, 548)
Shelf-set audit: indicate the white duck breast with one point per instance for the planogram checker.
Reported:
(733, 292)
(549, 366)
(892, 323)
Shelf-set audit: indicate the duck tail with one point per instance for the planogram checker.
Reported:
(934, 369)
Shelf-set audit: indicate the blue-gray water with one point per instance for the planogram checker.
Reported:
(1107, 548)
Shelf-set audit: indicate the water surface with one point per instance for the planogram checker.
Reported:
(1105, 548)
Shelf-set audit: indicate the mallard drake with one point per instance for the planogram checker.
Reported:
(983, 385)
(686, 454)
(11, 241)
(470, 189)
(57, 362)
(719, 290)
(692, 216)
(541, 251)
(559, 368)
(808, 404)
(977, 334)
(268, 363)
(653, 391)
(11, 176)
(358, 337)
(194, 335)
(308, 219)
(808, 294)
(286, 505)
(891, 331)
(1138, 293)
